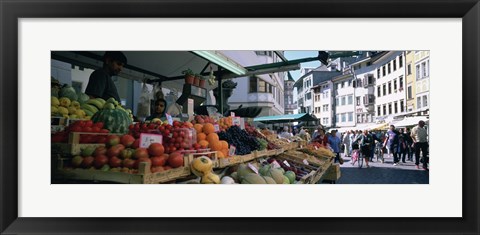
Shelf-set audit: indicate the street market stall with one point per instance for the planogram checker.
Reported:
(99, 141)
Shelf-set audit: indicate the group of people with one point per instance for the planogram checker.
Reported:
(401, 144)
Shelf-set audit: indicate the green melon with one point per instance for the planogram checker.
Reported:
(252, 178)
(243, 170)
(264, 169)
(269, 180)
(115, 120)
(290, 175)
(276, 174)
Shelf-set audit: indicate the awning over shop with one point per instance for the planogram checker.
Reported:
(376, 127)
(286, 118)
(411, 121)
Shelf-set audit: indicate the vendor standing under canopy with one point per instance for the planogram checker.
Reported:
(100, 83)
(320, 137)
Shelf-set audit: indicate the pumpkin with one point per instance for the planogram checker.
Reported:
(201, 165)
(115, 120)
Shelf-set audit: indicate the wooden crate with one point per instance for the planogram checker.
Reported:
(265, 153)
(74, 147)
(211, 154)
(144, 176)
(234, 160)
(333, 173)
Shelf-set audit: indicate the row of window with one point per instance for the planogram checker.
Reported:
(258, 85)
(387, 68)
(345, 117)
(398, 106)
(422, 101)
(422, 70)
(365, 118)
(395, 86)
(324, 108)
(344, 100)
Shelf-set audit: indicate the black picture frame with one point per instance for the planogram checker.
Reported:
(11, 11)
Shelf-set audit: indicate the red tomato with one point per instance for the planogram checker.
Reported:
(89, 123)
(176, 159)
(99, 125)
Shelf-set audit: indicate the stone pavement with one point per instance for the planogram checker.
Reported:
(382, 173)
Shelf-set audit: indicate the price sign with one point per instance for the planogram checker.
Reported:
(253, 168)
(236, 121)
(147, 139)
(217, 128)
(275, 164)
(305, 162)
(232, 114)
(316, 148)
(231, 151)
(169, 118)
(286, 163)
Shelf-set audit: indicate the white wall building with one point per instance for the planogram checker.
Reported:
(323, 102)
(390, 92)
(266, 90)
(344, 94)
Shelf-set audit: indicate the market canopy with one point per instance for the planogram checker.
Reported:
(286, 118)
(411, 121)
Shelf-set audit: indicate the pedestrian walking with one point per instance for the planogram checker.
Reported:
(346, 144)
(420, 143)
(391, 143)
(402, 145)
(334, 143)
(409, 140)
(365, 140)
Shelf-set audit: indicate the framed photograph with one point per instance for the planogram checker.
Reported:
(30, 30)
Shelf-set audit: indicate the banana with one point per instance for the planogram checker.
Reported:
(89, 107)
(112, 100)
(97, 103)
(121, 108)
(101, 101)
(88, 112)
(109, 106)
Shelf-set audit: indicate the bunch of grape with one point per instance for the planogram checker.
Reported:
(239, 138)
(263, 143)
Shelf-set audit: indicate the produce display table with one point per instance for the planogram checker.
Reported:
(144, 176)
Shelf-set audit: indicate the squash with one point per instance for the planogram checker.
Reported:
(227, 180)
(210, 178)
(201, 165)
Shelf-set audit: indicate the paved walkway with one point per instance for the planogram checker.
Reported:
(382, 173)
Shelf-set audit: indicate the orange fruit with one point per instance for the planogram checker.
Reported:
(208, 128)
(201, 136)
(198, 128)
(189, 124)
(224, 144)
(203, 143)
(225, 152)
(212, 137)
(215, 145)
(220, 154)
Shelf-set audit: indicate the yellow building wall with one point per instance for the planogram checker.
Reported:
(410, 79)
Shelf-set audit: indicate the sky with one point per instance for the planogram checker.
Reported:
(292, 55)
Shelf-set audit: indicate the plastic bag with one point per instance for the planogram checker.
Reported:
(143, 107)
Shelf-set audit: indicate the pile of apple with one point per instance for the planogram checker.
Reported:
(177, 137)
(123, 154)
(202, 119)
(82, 126)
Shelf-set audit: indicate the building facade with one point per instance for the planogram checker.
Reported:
(390, 92)
(290, 102)
(422, 78)
(344, 105)
(411, 80)
(266, 90)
